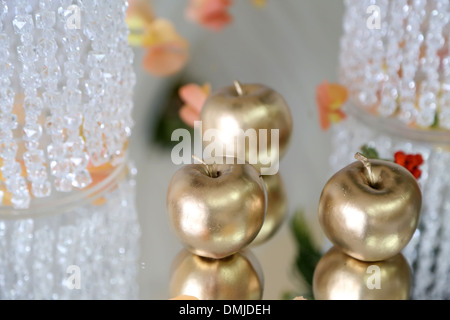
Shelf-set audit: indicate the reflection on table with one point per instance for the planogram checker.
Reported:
(341, 277)
(237, 277)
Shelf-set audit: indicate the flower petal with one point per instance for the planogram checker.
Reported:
(211, 7)
(193, 95)
(411, 162)
(218, 21)
(189, 115)
(211, 14)
(336, 116)
(330, 98)
(338, 96)
(138, 17)
(160, 31)
(140, 9)
(166, 59)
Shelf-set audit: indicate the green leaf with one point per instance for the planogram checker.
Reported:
(166, 120)
(308, 255)
(369, 152)
(435, 124)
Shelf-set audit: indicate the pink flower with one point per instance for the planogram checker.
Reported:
(211, 14)
(194, 97)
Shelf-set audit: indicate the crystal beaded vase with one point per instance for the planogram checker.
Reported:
(65, 96)
(81, 247)
(395, 59)
(67, 214)
(395, 64)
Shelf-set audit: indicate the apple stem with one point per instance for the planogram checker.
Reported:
(238, 88)
(208, 166)
(359, 156)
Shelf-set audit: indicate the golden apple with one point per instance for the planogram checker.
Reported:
(216, 209)
(235, 109)
(370, 209)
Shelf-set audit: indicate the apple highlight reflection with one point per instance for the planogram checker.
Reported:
(341, 277)
(237, 277)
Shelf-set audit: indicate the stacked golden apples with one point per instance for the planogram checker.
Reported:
(223, 204)
(369, 210)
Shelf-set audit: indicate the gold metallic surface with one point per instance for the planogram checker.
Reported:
(237, 277)
(216, 210)
(277, 207)
(255, 107)
(340, 277)
(370, 222)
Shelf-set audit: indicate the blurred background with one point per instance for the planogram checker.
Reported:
(288, 45)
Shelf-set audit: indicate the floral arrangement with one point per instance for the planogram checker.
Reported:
(167, 51)
(330, 98)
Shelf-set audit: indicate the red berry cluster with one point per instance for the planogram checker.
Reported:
(410, 161)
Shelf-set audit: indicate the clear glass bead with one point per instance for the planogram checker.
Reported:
(23, 24)
(33, 105)
(6, 97)
(63, 184)
(31, 80)
(37, 174)
(96, 59)
(32, 131)
(45, 19)
(21, 200)
(81, 179)
(8, 149)
(47, 47)
(27, 54)
(41, 189)
(55, 151)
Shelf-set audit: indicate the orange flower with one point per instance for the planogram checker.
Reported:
(167, 52)
(194, 97)
(211, 14)
(330, 98)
